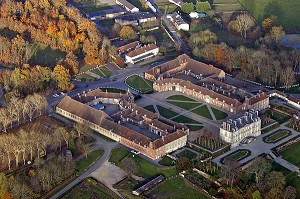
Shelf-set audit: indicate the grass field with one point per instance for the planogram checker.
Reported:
(44, 56)
(89, 188)
(166, 161)
(84, 163)
(224, 1)
(285, 10)
(279, 117)
(187, 154)
(167, 113)
(117, 155)
(180, 98)
(102, 71)
(237, 155)
(150, 108)
(184, 105)
(85, 77)
(292, 154)
(95, 8)
(228, 7)
(176, 188)
(277, 136)
(139, 83)
(220, 115)
(166, 7)
(203, 111)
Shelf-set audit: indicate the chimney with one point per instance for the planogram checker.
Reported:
(224, 125)
(163, 138)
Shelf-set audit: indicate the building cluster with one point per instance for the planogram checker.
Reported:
(234, 131)
(142, 53)
(209, 87)
(134, 18)
(178, 22)
(166, 135)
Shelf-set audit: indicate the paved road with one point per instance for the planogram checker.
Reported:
(258, 146)
(100, 144)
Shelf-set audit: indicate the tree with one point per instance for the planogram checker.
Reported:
(3, 185)
(231, 171)
(269, 22)
(187, 7)
(184, 164)
(256, 195)
(287, 77)
(243, 23)
(202, 38)
(290, 192)
(259, 168)
(276, 33)
(62, 77)
(203, 6)
(129, 165)
(274, 180)
(127, 33)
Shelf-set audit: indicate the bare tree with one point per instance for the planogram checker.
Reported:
(243, 23)
(129, 165)
(5, 118)
(65, 135)
(290, 192)
(259, 168)
(231, 171)
(24, 141)
(6, 142)
(287, 77)
(40, 102)
(16, 148)
(29, 106)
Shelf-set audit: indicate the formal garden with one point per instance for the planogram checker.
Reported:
(237, 155)
(193, 125)
(209, 140)
(89, 73)
(275, 115)
(166, 161)
(139, 83)
(187, 154)
(277, 136)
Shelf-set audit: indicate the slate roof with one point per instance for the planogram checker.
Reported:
(135, 16)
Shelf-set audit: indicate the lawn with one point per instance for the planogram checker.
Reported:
(180, 98)
(126, 186)
(139, 83)
(89, 188)
(166, 6)
(277, 136)
(166, 161)
(117, 155)
(228, 7)
(220, 115)
(287, 11)
(106, 22)
(187, 154)
(44, 56)
(184, 105)
(86, 67)
(150, 108)
(237, 155)
(102, 71)
(84, 163)
(195, 127)
(146, 169)
(203, 111)
(224, 1)
(176, 188)
(279, 117)
(85, 78)
(113, 90)
(185, 120)
(292, 154)
(167, 113)
(95, 8)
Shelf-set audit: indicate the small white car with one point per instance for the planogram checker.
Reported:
(135, 152)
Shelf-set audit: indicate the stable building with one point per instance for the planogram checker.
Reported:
(135, 18)
(127, 6)
(140, 54)
(234, 131)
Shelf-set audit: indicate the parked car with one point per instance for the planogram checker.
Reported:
(135, 152)
(55, 95)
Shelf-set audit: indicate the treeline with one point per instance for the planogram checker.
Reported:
(22, 109)
(267, 63)
(42, 177)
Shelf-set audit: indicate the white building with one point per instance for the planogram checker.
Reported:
(235, 130)
(142, 53)
(128, 6)
(179, 23)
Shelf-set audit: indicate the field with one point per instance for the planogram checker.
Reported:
(184, 105)
(237, 155)
(44, 56)
(203, 111)
(220, 115)
(279, 117)
(176, 188)
(102, 72)
(90, 188)
(180, 98)
(166, 161)
(117, 155)
(227, 8)
(84, 163)
(95, 8)
(166, 6)
(285, 10)
(139, 83)
(186, 154)
(277, 136)
(292, 154)
(85, 78)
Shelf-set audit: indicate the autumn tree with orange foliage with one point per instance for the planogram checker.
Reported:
(62, 76)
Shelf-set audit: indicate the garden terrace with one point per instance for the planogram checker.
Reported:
(237, 155)
(277, 136)
(187, 154)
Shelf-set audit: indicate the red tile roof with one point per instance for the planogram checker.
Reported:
(141, 50)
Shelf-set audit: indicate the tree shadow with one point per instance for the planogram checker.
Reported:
(273, 8)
